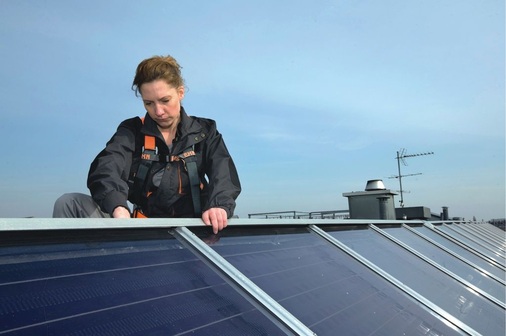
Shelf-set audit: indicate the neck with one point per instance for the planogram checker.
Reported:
(168, 134)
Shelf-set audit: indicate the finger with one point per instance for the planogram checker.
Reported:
(221, 215)
(216, 217)
(225, 219)
(218, 225)
(216, 229)
(209, 218)
(222, 219)
(205, 218)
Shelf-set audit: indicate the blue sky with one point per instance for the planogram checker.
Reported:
(313, 98)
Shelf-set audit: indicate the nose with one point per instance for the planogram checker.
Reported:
(158, 110)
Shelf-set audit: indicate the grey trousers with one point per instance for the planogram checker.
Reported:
(77, 205)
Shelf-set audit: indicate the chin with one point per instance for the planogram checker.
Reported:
(165, 124)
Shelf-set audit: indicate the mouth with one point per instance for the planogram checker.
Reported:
(163, 120)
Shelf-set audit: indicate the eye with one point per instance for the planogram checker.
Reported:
(147, 103)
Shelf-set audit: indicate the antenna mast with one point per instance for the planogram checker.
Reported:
(401, 155)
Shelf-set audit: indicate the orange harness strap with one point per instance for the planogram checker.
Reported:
(138, 214)
(149, 142)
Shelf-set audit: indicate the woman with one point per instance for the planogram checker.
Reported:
(160, 162)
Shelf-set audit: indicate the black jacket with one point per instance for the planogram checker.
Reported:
(112, 172)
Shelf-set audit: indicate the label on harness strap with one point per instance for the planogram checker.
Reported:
(182, 156)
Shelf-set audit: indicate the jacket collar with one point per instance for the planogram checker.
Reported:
(187, 126)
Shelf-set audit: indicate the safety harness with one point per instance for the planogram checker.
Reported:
(150, 154)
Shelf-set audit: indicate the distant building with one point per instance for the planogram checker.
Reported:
(500, 223)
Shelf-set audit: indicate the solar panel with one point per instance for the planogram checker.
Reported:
(257, 277)
(455, 264)
(147, 283)
(465, 251)
(325, 288)
(481, 240)
(442, 289)
(484, 249)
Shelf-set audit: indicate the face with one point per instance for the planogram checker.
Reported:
(163, 103)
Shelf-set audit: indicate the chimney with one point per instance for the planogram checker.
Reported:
(444, 216)
(383, 207)
(376, 202)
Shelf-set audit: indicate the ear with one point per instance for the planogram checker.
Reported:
(180, 92)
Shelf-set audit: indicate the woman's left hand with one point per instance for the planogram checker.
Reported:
(217, 217)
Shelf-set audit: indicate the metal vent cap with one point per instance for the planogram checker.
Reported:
(375, 185)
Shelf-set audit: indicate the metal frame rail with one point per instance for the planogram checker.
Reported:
(486, 245)
(455, 255)
(500, 242)
(439, 267)
(254, 294)
(433, 228)
(493, 241)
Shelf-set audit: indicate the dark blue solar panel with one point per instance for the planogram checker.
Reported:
(479, 232)
(486, 242)
(132, 287)
(486, 251)
(463, 303)
(446, 260)
(472, 257)
(323, 287)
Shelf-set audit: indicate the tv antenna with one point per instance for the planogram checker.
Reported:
(401, 155)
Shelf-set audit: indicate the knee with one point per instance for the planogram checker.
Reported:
(64, 204)
(64, 199)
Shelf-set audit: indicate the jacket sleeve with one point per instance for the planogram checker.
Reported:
(109, 172)
(224, 184)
